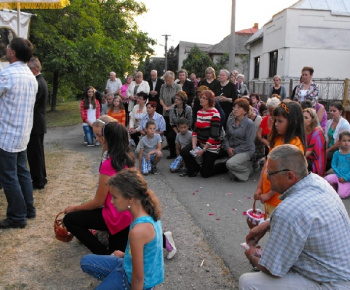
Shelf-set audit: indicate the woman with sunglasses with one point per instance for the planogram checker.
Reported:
(288, 128)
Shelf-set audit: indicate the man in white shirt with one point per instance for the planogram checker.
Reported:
(113, 84)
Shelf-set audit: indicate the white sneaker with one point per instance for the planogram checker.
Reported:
(97, 143)
(169, 238)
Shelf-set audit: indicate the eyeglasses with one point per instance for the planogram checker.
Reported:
(178, 99)
(275, 172)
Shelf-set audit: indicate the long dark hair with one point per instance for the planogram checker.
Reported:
(293, 113)
(116, 136)
(86, 98)
(131, 184)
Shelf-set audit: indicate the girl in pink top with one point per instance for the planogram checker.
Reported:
(99, 213)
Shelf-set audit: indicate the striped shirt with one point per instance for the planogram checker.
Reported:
(207, 129)
(310, 233)
(18, 88)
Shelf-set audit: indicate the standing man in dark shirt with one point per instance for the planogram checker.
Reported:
(155, 84)
(35, 149)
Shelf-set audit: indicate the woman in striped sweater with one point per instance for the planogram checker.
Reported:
(206, 136)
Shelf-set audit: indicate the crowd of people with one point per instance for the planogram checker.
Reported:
(211, 126)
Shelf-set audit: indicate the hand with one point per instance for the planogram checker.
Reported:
(132, 130)
(342, 180)
(256, 233)
(250, 251)
(257, 194)
(119, 254)
(200, 152)
(70, 209)
(264, 197)
(230, 152)
(153, 93)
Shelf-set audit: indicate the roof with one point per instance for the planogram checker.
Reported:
(248, 31)
(337, 7)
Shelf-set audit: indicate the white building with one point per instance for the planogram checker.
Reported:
(309, 33)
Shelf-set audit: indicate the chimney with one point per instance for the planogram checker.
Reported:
(256, 25)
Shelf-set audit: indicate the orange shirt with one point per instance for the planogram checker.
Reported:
(120, 117)
(266, 185)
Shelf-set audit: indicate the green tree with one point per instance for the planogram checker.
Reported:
(223, 61)
(197, 61)
(154, 63)
(173, 59)
(80, 44)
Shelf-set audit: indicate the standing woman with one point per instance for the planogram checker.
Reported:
(99, 213)
(277, 88)
(116, 110)
(124, 96)
(206, 135)
(210, 80)
(226, 93)
(136, 86)
(315, 143)
(335, 125)
(239, 141)
(136, 116)
(307, 90)
(180, 110)
(90, 112)
(186, 85)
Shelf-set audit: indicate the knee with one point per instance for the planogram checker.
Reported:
(245, 282)
(159, 154)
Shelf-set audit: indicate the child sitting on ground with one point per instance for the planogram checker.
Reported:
(142, 265)
(341, 167)
(183, 138)
(150, 149)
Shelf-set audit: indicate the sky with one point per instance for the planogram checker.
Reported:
(202, 21)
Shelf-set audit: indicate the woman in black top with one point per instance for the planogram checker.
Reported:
(226, 93)
(186, 85)
(210, 80)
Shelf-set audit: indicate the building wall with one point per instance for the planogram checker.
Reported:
(304, 38)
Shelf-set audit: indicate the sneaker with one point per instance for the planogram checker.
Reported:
(184, 173)
(90, 145)
(97, 143)
(85, 142)
(170, 245)
(154, 169)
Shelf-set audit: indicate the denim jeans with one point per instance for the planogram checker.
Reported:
(109, 269)
(17, 183)
(89, 134)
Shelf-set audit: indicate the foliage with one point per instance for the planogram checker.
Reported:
(173, 59)
(197, 61)
(67, 114)
(80, 44)
(149, 64)
(223, 61)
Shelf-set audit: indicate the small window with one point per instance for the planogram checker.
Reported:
(256, 67)
(273, 63)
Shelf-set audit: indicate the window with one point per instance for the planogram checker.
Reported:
(273, 63)
(256, 67)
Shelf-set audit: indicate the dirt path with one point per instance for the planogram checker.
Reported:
(32, 258)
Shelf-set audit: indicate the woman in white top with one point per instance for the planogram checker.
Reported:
(136, 86)
(136, 115)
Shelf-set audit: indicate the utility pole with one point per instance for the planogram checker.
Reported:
(232, 52)
(166, 52)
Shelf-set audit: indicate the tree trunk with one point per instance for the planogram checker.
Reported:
(54, 91)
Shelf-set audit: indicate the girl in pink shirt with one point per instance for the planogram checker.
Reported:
(99, 213)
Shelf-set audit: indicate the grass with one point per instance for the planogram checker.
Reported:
(66, 114)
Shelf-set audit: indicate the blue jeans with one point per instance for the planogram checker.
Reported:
(89, 134)
(108, 268)
(17, 183)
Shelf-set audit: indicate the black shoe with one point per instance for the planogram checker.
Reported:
(171, 156)
(7, 224)
(38, 186)
(31, 215)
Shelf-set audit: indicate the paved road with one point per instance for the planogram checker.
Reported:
(216, 204)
